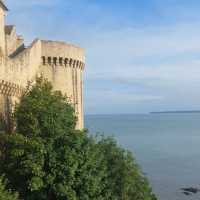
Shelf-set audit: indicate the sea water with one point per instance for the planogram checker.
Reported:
(167, 147)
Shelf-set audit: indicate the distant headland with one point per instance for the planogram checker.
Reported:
(176, 112)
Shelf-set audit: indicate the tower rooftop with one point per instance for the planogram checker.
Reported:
(2, 5)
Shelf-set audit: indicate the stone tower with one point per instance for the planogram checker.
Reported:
(63, 65)
(3, 10)
(59, 62)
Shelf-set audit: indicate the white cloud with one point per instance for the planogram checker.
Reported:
(164, 53)
(161, 60)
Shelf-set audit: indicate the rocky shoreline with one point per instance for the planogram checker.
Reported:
(190, 191)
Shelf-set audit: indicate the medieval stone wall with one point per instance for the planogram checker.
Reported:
(59, 62)
(2, 35)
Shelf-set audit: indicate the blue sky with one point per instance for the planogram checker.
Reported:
(142, 55)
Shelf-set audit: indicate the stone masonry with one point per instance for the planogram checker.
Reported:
(59, 62)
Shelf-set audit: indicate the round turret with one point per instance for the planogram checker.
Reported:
(63, 65)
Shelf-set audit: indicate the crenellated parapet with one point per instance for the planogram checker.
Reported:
(63, 54)
(61, 61)
(63, 64)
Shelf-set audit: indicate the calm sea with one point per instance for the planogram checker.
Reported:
(167, 147)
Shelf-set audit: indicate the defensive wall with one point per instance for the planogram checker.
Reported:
(59, 62)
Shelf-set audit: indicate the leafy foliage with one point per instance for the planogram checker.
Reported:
(125, 179)
(4, 193)
(44, 112)
(50, 160)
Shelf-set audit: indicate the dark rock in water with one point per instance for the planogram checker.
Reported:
(190, 190)
(187, 193)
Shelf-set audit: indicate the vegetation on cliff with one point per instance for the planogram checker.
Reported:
(6, 194)
(47, 159)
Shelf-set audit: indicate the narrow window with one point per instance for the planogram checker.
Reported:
(61, 61)
(43, 60)
(77, 64)
(55, 61)
(49, 60)
(66, 61)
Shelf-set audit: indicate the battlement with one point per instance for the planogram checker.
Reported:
(55, 61)
(59, 62)
(62, 50)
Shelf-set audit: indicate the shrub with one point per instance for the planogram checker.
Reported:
(6, 194)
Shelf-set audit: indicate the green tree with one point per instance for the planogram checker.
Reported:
(125, 180)
(6, 194)
(48, 159)
(43, 112)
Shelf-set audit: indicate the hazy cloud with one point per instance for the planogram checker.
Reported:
(142, 56)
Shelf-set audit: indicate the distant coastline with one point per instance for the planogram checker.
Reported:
(176, 112)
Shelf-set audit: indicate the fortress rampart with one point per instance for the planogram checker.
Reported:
(63, 65)
(59, 62)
